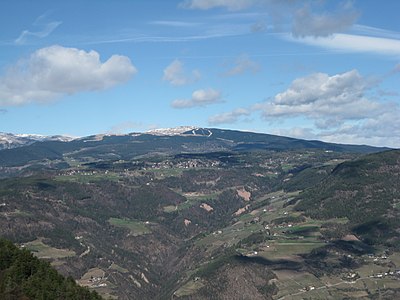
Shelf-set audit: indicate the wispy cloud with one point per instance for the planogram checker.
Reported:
(229, 117)
(241, 65)
(175, 74)
(228, 4)
(164, 38)
(175, 23)
(55, 71)
(199, 98)
(44, 30)
(352, 43)
(360, 29)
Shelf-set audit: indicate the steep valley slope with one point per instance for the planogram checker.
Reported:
(259, 224)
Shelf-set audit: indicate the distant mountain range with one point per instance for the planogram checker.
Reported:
(9, 140)
(21, 149)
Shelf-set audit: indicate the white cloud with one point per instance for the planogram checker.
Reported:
(199, 98)
(324, 99)
(354, 43)
(55, 71)
(335, 108)
(340, 109)
(319, 86)
(208, 4)
(228, 117)
(242, 65)
(176, 75)
(306, 23)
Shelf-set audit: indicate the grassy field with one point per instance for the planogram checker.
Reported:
(42, 250)
(163, 173)
(189, 288)
(71, 161)
(18, 213)
(229, 236)
(170, 208)
(192, 199)
(118, 268)
(288, 248)
(96, 278)
(86, 178)
(94, 272)
(136, 227)
(293, 282)
(288, 241)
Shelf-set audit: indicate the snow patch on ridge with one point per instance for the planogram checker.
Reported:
(9, 140)
(172, 131)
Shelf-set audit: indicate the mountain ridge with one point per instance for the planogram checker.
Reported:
(205, 216)
(166, 142)
(10, 141)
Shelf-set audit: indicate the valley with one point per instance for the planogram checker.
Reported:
(267, 222)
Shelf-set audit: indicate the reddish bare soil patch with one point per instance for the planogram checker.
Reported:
(241, 210)
(350, 237)
(245, 195)
(206, 207)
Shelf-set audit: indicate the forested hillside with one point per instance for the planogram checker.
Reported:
(23, 276)
(366, 192)
(202, 225)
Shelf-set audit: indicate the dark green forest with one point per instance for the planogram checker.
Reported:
(24, 276)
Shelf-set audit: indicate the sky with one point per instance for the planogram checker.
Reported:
(326, 70)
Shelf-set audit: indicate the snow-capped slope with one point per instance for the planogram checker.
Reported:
(9, 140)
(172, 131)
(181, 130)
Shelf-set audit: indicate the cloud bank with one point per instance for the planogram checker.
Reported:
(341, 108)
(306, 23)
(328, 100)
(52, 72)
(307, 18)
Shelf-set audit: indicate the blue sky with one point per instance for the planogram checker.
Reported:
(325, 70)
